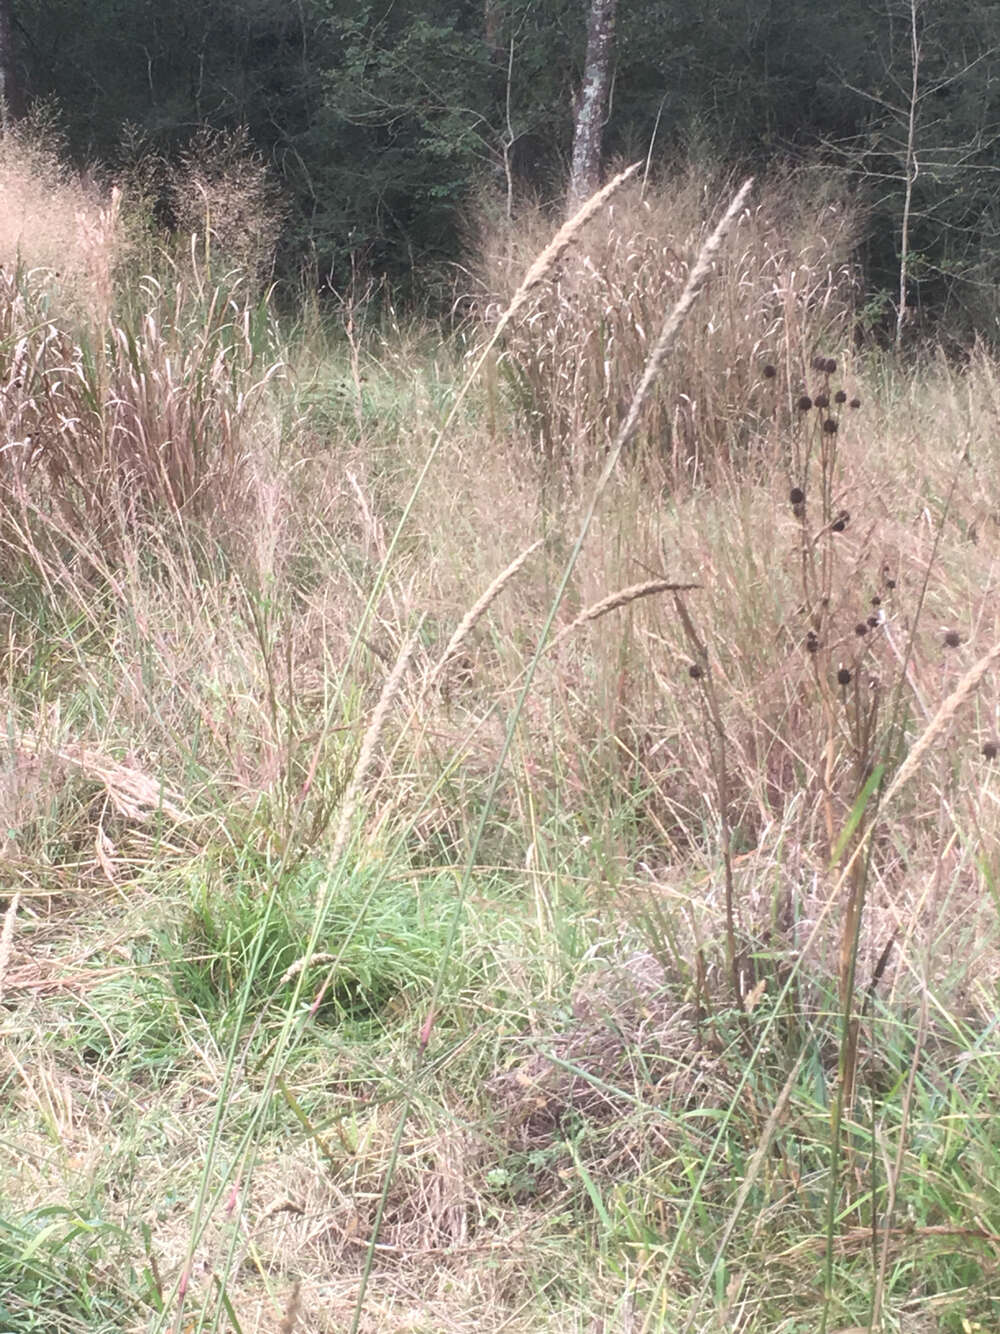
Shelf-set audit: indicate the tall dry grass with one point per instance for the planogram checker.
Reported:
(57, 223)
(226, 204)
(568, 368)
(156, 414)
(126, 392)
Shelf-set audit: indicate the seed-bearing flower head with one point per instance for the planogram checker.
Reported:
(844, 676)
(840, 396)
(796, 496)
(830, 426)
(830, 366)
(769, 372)
(854, 403)
(822, 400)
(952, 639)
(804, 403)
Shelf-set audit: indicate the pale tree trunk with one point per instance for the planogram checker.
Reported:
(912, 167)
(592, 102)
(11, 101)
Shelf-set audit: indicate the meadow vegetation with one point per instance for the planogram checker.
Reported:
(464, 869)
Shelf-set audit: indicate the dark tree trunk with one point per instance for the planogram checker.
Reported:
(11, 99)
(592, 102)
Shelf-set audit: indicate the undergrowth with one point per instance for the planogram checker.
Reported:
(472, 866)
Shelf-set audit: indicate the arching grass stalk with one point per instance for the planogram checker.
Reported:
(537, 273)
(671, 326)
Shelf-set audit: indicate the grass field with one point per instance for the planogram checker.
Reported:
(466, 867)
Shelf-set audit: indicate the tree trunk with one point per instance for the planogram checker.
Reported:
(11, 100)
(591, 107)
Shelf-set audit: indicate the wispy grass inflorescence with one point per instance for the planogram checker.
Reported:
(477, 611)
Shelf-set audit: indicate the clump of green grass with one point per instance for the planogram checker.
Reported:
(246, 933)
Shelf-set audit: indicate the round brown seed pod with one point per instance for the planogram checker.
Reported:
(830, 366)
(861, 628)
(796, 496)
(840, 396)
(830, 426)
(991, 750)
(854, 403)
(695, 672)
(844, 677)
(822, 400)
(769, 372)
(804, 403)
(952, 639)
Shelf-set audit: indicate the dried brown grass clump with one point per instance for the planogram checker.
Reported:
(130, 791)
(159, 413)
(630, 1043)
(57, 222)
(572, 361)
(73, 810)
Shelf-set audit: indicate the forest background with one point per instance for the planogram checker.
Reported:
(382, 121)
